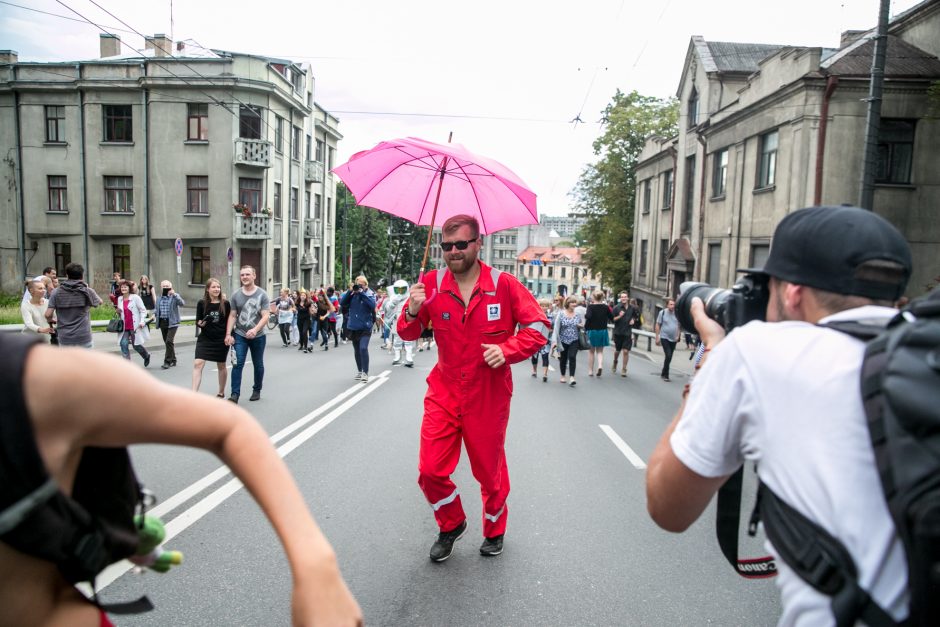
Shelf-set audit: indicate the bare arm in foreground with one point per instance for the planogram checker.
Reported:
(90, 411)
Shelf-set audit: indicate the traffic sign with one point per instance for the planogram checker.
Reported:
(178, 246)
(230, 254)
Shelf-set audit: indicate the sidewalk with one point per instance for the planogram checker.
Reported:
(108, 342)
(681, 364)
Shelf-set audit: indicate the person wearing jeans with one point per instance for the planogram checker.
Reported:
(360, 301)
(246, 331)
(168, 320)
(667, 334)
(565, 334)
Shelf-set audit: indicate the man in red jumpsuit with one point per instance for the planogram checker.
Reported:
(474, 311)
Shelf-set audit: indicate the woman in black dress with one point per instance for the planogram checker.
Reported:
(211, 318)
(146, 293)
(304, 305)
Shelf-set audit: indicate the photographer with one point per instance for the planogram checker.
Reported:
(784, 394)
(360, 303)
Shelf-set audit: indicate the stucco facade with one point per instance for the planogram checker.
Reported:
(114, 159)
(778, 128)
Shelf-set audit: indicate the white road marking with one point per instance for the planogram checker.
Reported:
(216, 498)
(628, 452)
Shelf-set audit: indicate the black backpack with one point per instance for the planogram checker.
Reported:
(900, 387)
(83, 533)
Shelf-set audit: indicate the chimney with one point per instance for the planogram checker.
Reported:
(8, 57)
(160, 44)
(110, 45)
(850, 36)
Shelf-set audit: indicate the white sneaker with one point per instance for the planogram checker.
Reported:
(365, 378)
(396, 362)
(358, 376)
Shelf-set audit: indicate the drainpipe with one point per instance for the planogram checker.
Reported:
(831, 83)
(145, 97)
(289, 190)
(84, 177)
(701, 207)
(21, 249)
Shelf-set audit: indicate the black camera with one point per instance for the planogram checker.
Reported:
(744, 302)
(356, 287)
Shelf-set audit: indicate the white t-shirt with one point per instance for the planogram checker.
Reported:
(786, 395)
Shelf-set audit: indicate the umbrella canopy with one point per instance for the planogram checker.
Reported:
(426, 183)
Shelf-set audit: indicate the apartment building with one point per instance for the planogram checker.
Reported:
(551, 270)
(767, 129)
(116, 159)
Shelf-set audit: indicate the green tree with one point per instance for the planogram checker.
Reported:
(606, 191)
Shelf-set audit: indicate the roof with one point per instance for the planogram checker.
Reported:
(902, 60)
(726, 56)
(552, 254)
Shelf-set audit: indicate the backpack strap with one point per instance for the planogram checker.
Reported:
(819, 559)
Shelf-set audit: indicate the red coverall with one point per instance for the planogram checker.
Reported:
(466, 398)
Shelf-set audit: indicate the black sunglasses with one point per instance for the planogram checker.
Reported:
(460, 244)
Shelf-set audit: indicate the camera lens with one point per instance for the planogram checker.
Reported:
(714, 298)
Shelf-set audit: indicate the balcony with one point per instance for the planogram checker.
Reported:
(312, 228)
(313, 171)
(307, 260)
(256, 227)
(253, 152)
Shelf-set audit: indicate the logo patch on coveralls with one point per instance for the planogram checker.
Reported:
(445, 315)
(492, 312)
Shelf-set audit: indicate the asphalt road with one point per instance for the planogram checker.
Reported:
(580, 547)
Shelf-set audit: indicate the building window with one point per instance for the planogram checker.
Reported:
(309, 145)
(276, 270)
(249, 193)
(759, 254)
(307, 207)
(767, 168)
(647, 195)
(277, 201)
(200, 262)
(714, 264)
(330, 154)
(121, 259)
(249, 122)
(292, 263)
(118, 194)
(719, 173)
(197, 194)
(663, 252)
(62, 256)
(293, 203)
(295, 144)
(329, 211)
(318, 155)
(278, 133)
(689, 194)
(644, 251)
(693, 108)
(55, 124)
(58, 197)
(197, 121)
(668, 184)
(895, 151)
(561, 274)
(118, 123)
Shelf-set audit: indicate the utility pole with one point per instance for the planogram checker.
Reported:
(866, 196)
(345, 229)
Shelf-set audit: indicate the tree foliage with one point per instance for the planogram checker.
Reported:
(606, 191)
(384, 247)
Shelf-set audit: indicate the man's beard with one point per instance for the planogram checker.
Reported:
(462, 265)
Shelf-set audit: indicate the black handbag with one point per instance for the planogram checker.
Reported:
(583, 342)
(116, 323)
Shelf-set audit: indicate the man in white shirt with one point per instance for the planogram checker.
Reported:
(785, 394)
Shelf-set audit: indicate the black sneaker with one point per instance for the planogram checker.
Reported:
(492, 546)
(147, 360)
(444, 545)
(255, 395)
(234, 398)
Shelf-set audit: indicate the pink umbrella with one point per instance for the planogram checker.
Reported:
(426, 183)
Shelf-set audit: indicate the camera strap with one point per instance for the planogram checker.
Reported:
(727, 524)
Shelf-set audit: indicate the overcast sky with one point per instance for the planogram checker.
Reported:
(507, 76)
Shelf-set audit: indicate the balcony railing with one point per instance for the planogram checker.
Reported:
(255, 227)
(312, 228)
(253, 152)
(313, 171)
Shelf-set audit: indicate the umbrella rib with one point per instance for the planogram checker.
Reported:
(475, 197)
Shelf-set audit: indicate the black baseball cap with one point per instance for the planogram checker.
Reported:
(823, 247)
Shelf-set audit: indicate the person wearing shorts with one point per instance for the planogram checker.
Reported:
(625, 315)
